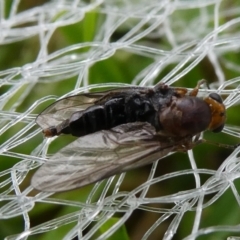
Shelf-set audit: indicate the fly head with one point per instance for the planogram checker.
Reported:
(218, 112)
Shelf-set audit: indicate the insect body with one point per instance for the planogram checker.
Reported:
(122, 129)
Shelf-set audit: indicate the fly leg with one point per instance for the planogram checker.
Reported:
(194, 92)
(196, 141)
(227, 146)
(189, 143)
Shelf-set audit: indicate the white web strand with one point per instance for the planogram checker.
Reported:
(212, 33)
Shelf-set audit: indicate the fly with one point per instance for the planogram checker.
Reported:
(122, 129)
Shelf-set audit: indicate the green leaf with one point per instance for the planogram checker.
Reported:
(120, 234)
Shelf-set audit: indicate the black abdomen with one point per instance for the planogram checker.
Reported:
(115, 111)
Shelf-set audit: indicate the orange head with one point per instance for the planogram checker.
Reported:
(218, 112)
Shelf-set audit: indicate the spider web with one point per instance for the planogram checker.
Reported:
(69, 47)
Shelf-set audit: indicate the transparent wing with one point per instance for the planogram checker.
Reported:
(100, 155)
(64, 108)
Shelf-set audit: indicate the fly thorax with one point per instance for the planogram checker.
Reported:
(185, 116)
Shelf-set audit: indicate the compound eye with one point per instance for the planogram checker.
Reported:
(216, 97)
(218, 129)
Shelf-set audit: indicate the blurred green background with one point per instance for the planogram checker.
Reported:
(121, 67)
